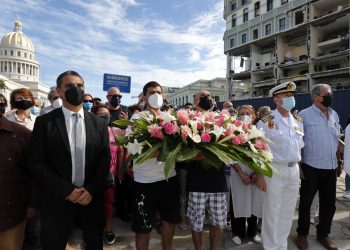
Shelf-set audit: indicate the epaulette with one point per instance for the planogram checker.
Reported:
(267, 118)
(298, 118)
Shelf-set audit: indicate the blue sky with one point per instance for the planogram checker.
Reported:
(174, 42)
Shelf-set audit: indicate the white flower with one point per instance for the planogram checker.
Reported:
(167, 117)
(134, 148)
(267, 155)
(128, 131)
(255, 133)
(218, 131)
(252, 147)
(194, 127)
(196, 138)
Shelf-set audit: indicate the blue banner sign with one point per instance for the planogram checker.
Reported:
(121, 82)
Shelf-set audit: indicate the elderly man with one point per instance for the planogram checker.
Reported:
(319, 165)
(15, 186)
(55, 100)
(207, 189)
(285, 131)
(227, 105)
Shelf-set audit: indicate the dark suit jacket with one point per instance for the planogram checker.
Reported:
(50, 158)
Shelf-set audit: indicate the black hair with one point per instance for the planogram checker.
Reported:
(68, 72)
(151, 84)
(98, 106)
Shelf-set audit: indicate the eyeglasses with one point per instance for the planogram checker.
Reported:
(90, 101)
(119, 96)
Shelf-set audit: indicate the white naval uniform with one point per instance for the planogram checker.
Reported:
(247, 200)
(286, 136)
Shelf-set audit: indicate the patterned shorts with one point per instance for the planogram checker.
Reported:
(215, 204)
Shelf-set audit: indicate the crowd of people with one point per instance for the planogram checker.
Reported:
(60, 168)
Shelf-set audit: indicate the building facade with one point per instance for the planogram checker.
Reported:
(271, 41)
(187, 93)
(18, 65)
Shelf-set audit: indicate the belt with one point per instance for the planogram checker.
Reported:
(291, 164)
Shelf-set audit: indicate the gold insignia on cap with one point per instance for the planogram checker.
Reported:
(290, 87)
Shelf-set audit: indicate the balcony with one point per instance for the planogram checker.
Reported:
(333, 72)
(239, 76)
(330, 43)
(331, 57)
(267, 82)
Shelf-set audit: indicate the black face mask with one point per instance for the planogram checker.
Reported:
(23, 104)
(205, 102)
(115, 101)
(327, 100)
(2, 110)
(74, 96)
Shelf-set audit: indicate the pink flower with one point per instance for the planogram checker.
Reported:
(237, 123)
(170, 128)
(261, 144)
(183, 117)
(221, 119)
(185, 131)
(205, 137)
(199, 125)
(238, 139)
(156, 131)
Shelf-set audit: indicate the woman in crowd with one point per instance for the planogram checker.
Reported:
(88, 102)
(21, 101)
(246, 198)
(117, 157)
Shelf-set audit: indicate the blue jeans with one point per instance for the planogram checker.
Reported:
(347, 183)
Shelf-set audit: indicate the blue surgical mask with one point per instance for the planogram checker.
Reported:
(35, 110)
(288, 103)
(87, 105)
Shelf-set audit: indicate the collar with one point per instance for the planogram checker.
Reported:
(5, 124)
(277, 115)
(68, 113)
(315, 108)
(29, 117)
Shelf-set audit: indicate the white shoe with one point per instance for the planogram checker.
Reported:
(346, 195)
(312, 220)
(237, 240)
(256, 239)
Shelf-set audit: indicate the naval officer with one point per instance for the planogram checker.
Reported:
(285, 132)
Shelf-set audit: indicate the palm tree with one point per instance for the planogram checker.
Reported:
(3, 86)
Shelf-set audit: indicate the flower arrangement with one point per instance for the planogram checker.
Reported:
(182, 135)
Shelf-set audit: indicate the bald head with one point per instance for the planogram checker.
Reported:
(113, 91)
(227, 105)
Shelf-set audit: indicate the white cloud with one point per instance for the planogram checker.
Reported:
(101, 36)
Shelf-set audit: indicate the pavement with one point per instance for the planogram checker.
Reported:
(340, 233)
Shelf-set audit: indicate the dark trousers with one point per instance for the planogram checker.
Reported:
(123, 196)
(238, 225)
(325, 182)
(56, 226)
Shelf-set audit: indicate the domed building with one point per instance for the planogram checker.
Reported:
(18, 65)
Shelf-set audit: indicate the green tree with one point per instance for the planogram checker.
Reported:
(3, 86)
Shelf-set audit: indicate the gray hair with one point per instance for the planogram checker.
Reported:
(316, 89)
(49, 95)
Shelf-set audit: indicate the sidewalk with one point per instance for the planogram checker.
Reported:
(183, 240)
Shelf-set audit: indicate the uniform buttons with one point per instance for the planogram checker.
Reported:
(10, 159)
(9, 203)
(14, 136)
(9, 219)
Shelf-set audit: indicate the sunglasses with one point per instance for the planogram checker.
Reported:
(91, 101)
(119, 96)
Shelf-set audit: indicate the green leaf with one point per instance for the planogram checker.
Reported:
(147, 154)
(217, 151)
(122, 122)
(170, 161)
(187, 154)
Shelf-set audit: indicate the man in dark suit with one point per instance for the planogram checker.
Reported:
(70, 156)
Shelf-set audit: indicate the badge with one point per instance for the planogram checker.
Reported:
(271, 124)
(298, 130)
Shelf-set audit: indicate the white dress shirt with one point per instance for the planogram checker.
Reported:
(70, 120)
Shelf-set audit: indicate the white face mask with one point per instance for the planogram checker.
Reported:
(57, 103)
(155, 101)
(246, 119)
